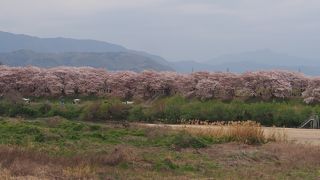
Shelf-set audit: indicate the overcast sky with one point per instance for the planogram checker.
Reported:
(174, 29)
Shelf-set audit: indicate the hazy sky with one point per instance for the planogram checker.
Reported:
(174, 29)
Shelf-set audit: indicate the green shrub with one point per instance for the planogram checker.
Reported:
(93, 112)
(98, 111)
(22, 110)
(186, 140)
(136, 114)
(67, 111)
(262, 112)
(118, 111)
(192, 110)
(45, 108)
(170, 110)
(4, 109)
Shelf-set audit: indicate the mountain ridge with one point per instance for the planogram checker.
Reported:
(85, 52)
(263, 59)
(114, 61)
(262, 56)
(15, 43)
(12, 42)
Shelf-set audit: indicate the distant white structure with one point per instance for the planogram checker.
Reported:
(76, 101)
(128, 102)
(26, 100)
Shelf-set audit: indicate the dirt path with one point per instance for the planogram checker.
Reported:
(309, 136)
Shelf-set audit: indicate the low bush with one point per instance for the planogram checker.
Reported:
(45, 108)
(106, 110)
(178, 109)
(186, 140)
(136, 114)
(92, 112)
(67, 111)
(173, 110)
(22, 110)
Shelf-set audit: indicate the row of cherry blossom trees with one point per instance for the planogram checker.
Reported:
(86, 81)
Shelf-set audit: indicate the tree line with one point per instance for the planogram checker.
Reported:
(86, 81)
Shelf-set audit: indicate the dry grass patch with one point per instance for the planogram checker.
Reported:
(17, 162)
(248, 132)
(269, 161)
(296, 154)
(277, 135)
(79, 172)
(120, 154)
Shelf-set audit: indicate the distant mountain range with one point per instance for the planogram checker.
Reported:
(23, 50)
(11, 42)
(252, 61)
(114, 61)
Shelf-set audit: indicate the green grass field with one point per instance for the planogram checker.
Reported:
(59, 148)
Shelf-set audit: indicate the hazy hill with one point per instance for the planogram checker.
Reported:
(189, 66)
(108, 60)
(252, 61)
(20, 50)
(12, 42)
(264, 56)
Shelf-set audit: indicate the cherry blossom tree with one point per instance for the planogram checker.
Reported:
(86, 81)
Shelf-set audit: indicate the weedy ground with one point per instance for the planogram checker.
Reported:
(56, 148)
